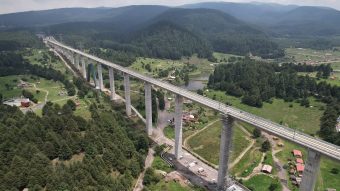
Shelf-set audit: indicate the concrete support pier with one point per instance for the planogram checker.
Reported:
(178, 125)
(148, 108)
(112, 84)
(100, 76)
(77, 60)
(73, 58)
(127, 94)
(225, 145)
(311, 171)
(83, 66)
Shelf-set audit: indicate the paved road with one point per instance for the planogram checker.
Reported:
(323, 147)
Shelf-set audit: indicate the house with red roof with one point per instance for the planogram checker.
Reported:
(299, 161)
(297, 153)
(300, 168)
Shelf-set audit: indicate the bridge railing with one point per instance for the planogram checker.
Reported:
(265, 124)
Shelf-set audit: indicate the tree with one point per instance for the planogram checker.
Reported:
(65, 152)
(256, 133)
(150, 177)
(72, 104)
(265, 146)
(27, 94)
(273, 186)
(186, 78)
(1, 98)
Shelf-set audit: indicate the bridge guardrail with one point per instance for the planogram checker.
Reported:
(270, 126)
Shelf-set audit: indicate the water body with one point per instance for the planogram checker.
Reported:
(197, 83)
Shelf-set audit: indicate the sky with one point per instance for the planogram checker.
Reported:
(10, 6)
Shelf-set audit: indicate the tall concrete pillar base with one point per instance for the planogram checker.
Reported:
(178, 126)
(112, 84)
(127, 94)
(83, 66)
(100, 77)
(148, 108)
(310, 173)
(225, 146)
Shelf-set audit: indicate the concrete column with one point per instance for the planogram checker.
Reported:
(225, 145)
(77, 60)
(127, 94)
(73, 58)
(83, 66)
(178, 125)
(100, 76)
(148, 108)
(112, 83)
(310, 173)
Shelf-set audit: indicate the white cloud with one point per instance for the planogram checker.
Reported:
(8, 6)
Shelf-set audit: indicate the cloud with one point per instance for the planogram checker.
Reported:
(8, 6)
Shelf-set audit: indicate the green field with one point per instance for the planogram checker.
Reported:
(42, 57)
(156, 65)
(12, 90)
(261, 183)
(247, 164)
(297, 117)
(303, 55)
(159, 164)
(44, 86)
(223, 58)
(210, 138)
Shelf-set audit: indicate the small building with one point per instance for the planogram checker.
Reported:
(25, 102)
(300, 168)
(298, 180)
(331, 189)
(297, 153)
(267, 169)
(299, 161)
(337, 127)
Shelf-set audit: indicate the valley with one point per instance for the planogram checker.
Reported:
(61, 131)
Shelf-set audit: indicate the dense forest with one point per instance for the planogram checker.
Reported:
(14, 64)
(161, 40)
(256, 82)
(18, 39)
(114, 149)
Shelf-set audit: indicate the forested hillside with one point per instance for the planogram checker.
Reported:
(206, 29)
(282, 20)
(226, 33)
(113, 150)
(15, 40)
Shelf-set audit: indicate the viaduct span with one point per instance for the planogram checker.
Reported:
(316, 147)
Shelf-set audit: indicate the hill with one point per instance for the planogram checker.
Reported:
(121, 15)
(259, 13)
(317, 21)
(282, 20)
(95, 27)
(167, 40)
(225, 33)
